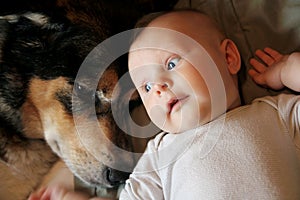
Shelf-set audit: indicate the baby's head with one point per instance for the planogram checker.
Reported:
(185, 70)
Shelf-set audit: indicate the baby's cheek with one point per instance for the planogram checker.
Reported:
(157, 116)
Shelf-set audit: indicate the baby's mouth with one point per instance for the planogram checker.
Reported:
(173, 102)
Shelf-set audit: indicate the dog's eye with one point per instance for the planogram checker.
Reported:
(83, 92)
(83, 98)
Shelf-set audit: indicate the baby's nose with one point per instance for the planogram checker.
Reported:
(160, 88)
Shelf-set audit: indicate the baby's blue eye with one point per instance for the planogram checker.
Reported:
(172, 63)
(148, 87)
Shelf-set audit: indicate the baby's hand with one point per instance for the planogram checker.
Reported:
(58, 193)
(267, 72)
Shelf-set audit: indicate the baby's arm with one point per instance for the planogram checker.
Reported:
(57, 192)
(276, 71)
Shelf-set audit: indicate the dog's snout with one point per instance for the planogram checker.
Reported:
(115, 177)
(103, 104)
(54, 144)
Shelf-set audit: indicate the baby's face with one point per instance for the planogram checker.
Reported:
(178, 81)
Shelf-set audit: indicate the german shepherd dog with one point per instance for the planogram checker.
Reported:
(40, 97)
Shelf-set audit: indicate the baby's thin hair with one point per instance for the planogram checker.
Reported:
(145, 20)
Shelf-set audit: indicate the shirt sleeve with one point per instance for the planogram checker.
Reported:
(144, 182)
(288, 106)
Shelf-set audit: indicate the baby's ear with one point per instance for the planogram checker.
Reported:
(232, 55)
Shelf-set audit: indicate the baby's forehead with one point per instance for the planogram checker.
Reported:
(157, 44)
(163, 39)
(150, 51)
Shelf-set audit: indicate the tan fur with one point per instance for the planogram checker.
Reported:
(31, 121)
(76, 145)
(24, 168)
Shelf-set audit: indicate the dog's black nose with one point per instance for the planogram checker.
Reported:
(116, 177)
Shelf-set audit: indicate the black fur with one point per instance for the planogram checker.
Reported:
(46, 51)
(55, 46)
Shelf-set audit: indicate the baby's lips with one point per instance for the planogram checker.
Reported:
(171, 103)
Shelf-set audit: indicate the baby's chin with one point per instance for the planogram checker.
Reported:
(179, 127)
(176, 126)
(177, 122)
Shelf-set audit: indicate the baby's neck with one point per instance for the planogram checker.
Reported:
(235, 104)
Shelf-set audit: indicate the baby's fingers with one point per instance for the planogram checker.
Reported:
(267, 68)
(257, 73)
(258, 66)
(265, 57)
(274, 54)
(37, 195)
(257, 77)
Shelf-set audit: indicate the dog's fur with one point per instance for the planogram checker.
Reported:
(39, 62)
(39, 59)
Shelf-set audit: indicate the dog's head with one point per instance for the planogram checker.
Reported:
(39, 62)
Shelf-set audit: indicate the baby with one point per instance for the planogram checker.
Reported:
(185, 71)
(211, 147)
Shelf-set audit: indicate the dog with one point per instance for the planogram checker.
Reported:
(39, 63)
(47, 111)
